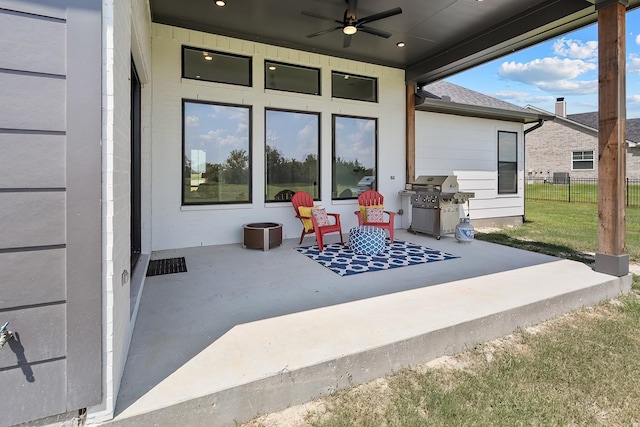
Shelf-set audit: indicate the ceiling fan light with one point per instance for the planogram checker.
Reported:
(349, 30)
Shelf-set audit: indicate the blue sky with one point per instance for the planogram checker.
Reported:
(566, 66)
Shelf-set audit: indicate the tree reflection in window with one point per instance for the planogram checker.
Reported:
(355, 145)
(292, 147)
(216, 152)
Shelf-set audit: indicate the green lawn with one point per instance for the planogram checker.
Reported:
(568, 230)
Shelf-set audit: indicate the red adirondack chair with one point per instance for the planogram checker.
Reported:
(373, 198)
(304, 199)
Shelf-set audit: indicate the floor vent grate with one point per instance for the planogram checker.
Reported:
(166, 266)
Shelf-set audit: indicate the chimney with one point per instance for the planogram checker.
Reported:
(561, 107)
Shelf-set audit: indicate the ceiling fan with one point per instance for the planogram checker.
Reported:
(350, 24)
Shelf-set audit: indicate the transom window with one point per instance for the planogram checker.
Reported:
(292, 150)
(207, 65)
(582, 160)
(291, 78)
(350, 86)
(507, 162)
(355, 151)
(217, 153)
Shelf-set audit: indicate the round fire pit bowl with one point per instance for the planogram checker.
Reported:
(262, 235)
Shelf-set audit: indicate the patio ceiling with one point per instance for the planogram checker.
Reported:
(442, 37)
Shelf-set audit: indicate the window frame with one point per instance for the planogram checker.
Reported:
(216, 52)
(249, 109)
(333, 153)
(376, 90)
(317, 70)
(583, 152)
(516, 162)
(319, 147)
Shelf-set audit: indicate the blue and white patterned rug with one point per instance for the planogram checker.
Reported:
(340, 259)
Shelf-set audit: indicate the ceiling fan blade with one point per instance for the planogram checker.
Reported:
(316, 15)
(374, 31)
(347, 40)
(319, 33)
(378, 16)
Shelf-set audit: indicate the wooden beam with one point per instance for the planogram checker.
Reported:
(410, 127)
(611, 256)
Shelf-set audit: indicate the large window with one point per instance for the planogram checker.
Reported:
(292, 148)
(291, 78)
(217, 153)
(582, 160)
(507, 162)
(202, 64)
(355, 147)
(350, 86)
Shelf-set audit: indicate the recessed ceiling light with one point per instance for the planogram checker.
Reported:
(208, 57)
(197, 77)
(346, 77)
(272, 67)
(400, 44)
(221, 3)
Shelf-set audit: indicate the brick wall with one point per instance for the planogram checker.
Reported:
(549, 149)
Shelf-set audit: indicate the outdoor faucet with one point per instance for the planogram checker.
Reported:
(5, 334)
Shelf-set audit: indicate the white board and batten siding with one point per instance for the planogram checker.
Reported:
(468, 148)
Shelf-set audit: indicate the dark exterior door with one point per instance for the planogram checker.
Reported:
(136, 177)
(50, 207)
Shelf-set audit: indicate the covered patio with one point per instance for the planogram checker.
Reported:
(245, 331)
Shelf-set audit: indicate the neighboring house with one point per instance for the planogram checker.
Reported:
(568, 146)
(107, 112)
(480, 139)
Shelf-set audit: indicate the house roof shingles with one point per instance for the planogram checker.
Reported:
(463, 95)
(591, 120)
(448, 98)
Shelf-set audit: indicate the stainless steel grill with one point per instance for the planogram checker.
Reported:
(435, 204)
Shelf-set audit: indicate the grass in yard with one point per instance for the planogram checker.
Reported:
(580, 369)
(567, 230)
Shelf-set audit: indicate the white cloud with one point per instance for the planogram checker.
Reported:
(634, 99)
(241, 128)
(522, 98)
(192, 121)
(638, 39)
(211, 135)
(576, 48)
(544, 70)
(633, 66)
(583, 87)
(552, 75)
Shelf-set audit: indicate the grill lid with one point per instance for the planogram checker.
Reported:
(438, 183)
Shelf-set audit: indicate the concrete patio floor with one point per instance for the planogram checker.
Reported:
(245, 332)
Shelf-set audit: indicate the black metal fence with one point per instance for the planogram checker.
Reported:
(575, 190)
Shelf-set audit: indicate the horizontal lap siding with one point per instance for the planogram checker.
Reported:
(46, 389)
(467, 147)
(37, 160)
(32, 215)
(28, 268)
(29, 219)
(37, 154)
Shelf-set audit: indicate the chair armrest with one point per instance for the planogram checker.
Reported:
(335, 216)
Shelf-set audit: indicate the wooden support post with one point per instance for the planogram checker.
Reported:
(611, 257)
(410, 115)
